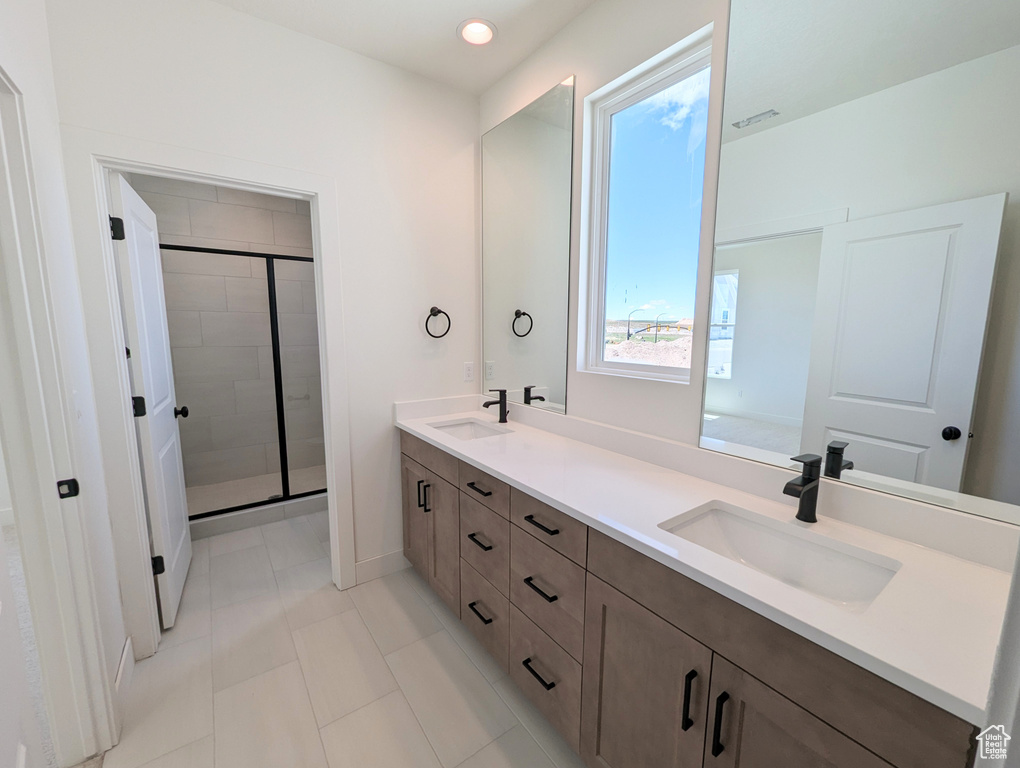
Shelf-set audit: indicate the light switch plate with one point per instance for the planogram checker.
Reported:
(469, 371)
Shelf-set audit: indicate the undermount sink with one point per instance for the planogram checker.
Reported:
(841, 573)
(470, 428)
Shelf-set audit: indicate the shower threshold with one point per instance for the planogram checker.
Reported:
(251, 491)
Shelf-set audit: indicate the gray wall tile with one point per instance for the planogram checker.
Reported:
(305, 453)
(191, 263)
(209, 364)
(243, 429)
(303, 207)
(289, 298)
(207, 467)
(185, 328)
(308, 297)
(298, 330)
(195, 434)
(300, 361)
(194, 292)
(292, 229)
(171, 213)
(247, 294)
(231, 222)
(142, 183)
(295, 270)
(255, 396)
(205, 398)
(255, 200)
(235, 329)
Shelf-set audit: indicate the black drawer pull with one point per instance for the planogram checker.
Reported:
(421, 503)
(551, 531)
(530, 581)
(425, 496)
(527, 666)
(717, 745)
(476, 489)
(474, 538)
(685, 720)
(476, 613)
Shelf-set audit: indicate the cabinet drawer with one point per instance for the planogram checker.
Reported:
(483, 488)
(549, 589)
(547, 675)
(486, 613)
(561, 532)
(430, 457)
(485, 542)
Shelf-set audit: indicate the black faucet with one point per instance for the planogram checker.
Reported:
(805, 487)
(834, 461)
(503, 410)
(529, 398)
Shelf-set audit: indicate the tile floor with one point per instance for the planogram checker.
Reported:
(234, 493)
(269, 665)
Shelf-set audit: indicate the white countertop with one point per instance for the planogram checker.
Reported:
(933, 630)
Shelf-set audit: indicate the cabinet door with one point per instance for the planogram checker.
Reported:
(443, 505)
(645, 692)
(755, 727)
(414, 477)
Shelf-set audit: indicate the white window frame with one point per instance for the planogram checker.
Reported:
(712, 325)
(679, 62)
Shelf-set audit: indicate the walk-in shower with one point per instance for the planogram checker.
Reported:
(244, 338)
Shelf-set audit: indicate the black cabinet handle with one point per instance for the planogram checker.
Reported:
(531, 519)
(420, 502)
(474, 538)
(478, 490)
(425, 496)
(476, 613)
(530, 581)
(685, 720)
(527, 666)
(717, 745)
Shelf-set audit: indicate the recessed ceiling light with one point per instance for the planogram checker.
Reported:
(477, 31)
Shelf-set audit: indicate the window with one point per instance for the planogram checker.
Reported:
(646, 173)
(724, 320)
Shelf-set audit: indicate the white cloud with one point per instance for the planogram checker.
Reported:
(677, 102)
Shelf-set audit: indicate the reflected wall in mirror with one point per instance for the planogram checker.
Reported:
(867, 254)
(526, 170)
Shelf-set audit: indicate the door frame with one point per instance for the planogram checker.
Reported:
(89, 157)
(37, 415)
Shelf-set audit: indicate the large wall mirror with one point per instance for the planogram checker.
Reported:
(866, 287)
(526, 168)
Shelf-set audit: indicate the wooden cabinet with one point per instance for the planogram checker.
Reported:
(752, 726)
(416, 522)
(485, 543)
(646, 685)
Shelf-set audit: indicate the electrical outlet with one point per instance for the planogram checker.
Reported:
(469, 371)
(490, 370)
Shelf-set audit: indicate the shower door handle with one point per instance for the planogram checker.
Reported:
(181, 413)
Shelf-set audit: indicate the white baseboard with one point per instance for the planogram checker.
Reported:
(122, 683)
(383, 565)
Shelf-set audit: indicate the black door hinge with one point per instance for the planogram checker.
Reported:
(67, 489)
(117, 228)
(138, 406)
(158, 566)
(128, 350)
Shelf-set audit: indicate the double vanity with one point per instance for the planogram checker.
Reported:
(656, 618)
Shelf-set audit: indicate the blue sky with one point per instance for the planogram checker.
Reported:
(656, 175)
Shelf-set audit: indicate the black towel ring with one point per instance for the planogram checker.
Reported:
(435, 311)
(518, 314)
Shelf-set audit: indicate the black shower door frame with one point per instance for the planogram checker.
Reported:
(281, 416)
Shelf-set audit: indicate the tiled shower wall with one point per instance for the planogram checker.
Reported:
(218, 312)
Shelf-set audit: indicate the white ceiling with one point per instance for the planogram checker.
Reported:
(802, 56)
(421, 35)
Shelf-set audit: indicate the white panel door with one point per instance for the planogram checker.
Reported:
(898, 335)
(145, 329)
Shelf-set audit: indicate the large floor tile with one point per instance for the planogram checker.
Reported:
(384, 733)
(199, 557)
(193, 615)
(394, 612)
(198, 754)
(320, 524)
(240, 575)
(309, 594)
(343, 667)
(248, 639)
(170, 705)
(421, 586)
(235, 540)
(457, 708)
(267, 722)
(514, 749)
(291, 542)
(468, 643)
(538, 726)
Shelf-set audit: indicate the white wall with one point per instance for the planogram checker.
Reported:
(605, 42)
(25, 57)
(526, 254)
(6, 513)
(947, 136)
(772, 339)
(401, 150)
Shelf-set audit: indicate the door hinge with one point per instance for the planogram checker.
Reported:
(67, 489)
(138, 406)
(158, 566)
(128, 350)
(117, 228)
